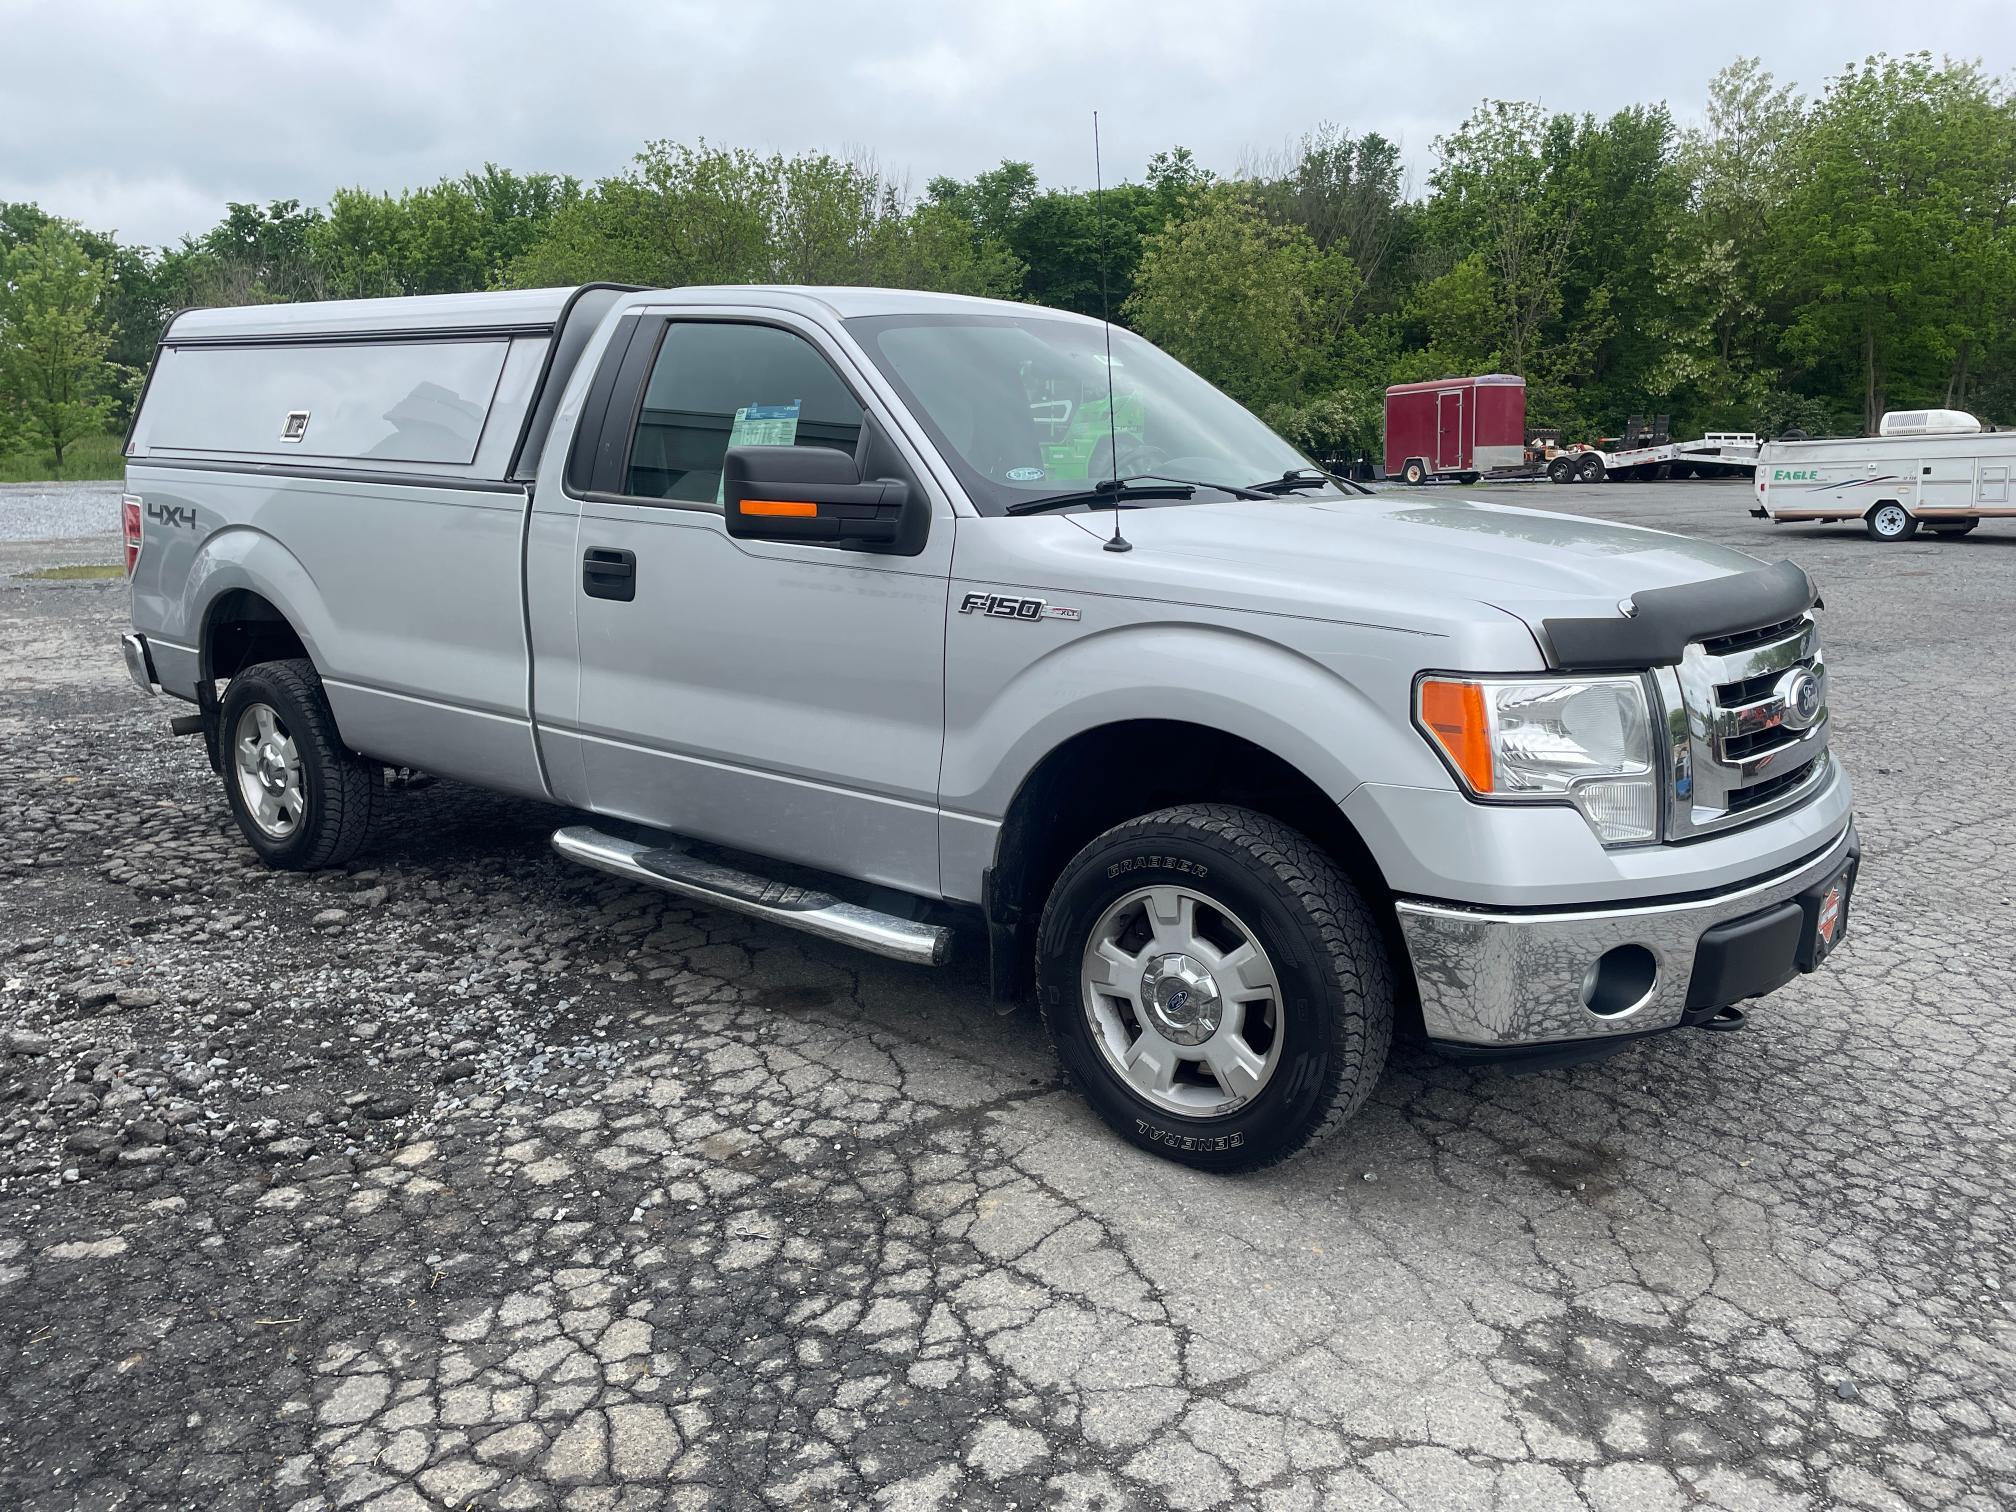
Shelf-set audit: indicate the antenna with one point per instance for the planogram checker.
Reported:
(1117, 542)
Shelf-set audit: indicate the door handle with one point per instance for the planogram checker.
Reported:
(609, 574)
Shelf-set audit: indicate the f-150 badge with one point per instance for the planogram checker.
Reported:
(1006, 606)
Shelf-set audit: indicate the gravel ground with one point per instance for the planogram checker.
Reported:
(55, 511)
(463, 1178)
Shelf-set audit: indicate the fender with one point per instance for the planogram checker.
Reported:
(241, 556)
(1299, 705)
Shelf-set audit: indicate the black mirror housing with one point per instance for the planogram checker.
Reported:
(815, 494)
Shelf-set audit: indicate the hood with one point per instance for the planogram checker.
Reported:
(1527, 562)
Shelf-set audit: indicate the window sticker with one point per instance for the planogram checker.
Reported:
(761, 425)
(1024, 474)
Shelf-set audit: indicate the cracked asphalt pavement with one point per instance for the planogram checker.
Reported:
(467, 1179)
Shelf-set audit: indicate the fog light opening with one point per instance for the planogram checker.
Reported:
(1620, 980)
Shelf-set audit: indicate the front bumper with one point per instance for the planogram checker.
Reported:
(1495, 980)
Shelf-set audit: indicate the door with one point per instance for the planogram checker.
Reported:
(784, 698)
(1945, 483)
(1449, 429)
(1994, 483)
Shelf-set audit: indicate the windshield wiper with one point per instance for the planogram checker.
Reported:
(1107, 493)
(1104, 493)
(1300, 478)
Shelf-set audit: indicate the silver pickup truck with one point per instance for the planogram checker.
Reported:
(893, 616)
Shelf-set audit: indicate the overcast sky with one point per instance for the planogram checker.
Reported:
(146, 118)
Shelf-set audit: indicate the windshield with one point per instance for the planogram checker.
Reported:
(1018, 405)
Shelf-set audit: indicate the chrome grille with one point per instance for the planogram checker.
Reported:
(1735, 749)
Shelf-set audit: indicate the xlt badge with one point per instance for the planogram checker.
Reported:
(1007, 606)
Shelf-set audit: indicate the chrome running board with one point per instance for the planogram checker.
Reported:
(783, 903)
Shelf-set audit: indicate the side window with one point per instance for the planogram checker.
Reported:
(716, 385)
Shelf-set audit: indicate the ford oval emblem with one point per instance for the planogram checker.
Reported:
(1800, 692)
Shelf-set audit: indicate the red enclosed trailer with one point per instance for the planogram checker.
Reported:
(1455, 427)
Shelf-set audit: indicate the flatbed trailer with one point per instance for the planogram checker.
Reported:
(1713, 455)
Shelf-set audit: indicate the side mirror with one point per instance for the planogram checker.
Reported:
(815, 494)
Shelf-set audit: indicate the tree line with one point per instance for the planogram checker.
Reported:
(1787, 262)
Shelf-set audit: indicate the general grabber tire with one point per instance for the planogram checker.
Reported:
(1215, 986)
(302, 799)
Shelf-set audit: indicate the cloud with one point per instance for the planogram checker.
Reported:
(149, 118)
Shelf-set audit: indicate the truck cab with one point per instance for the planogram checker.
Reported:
(808, 605)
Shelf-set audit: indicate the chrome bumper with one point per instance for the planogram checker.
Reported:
(139, 666)
(1498, 979)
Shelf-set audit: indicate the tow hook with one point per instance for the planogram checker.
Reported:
(1726, 1020)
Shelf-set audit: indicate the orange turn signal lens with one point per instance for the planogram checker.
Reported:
(795, 507)
(1454, 713)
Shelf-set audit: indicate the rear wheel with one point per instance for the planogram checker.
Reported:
(1890, 521)
(1590, 467)
(1416, 471)
(301, 799)
(1562, 470)
(1215, 986)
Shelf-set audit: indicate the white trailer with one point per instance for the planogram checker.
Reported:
(1937, 468)
(1709, 456)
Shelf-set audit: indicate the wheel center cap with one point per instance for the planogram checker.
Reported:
(272, 770)
(1181, 998)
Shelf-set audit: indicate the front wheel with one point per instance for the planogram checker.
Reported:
(300, 797)
(1891, 521)
(1215, 986)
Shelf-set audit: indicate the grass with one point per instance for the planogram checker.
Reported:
(93, 459)
(77, 574)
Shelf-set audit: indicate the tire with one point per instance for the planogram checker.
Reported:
(1890, 521)
(1953, 528)
(1415, 471)
(1322, 979)
(1470, 479)
(1563, 470)
(1590, 467)
(280, 742)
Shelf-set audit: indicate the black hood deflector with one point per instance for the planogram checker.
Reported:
(1666, 619)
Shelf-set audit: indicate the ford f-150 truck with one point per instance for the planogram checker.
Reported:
(799, 599)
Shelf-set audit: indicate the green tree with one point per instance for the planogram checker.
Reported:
(55, 376)
(1501, 191)
(700, 214)
(1459, 315)
(1715, 359)
(1899, 191)
(1236, 296)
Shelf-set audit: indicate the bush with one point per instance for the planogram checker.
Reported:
(92, 458)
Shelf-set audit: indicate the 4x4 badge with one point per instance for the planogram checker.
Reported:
(1006, 606)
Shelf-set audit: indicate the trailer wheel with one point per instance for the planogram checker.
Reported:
(1890, 521)
(1562, 470)
(1590, 467)
(1950, 527)
(1470, 479)
(1416, 471)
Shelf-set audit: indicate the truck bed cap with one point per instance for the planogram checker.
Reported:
(509, 309)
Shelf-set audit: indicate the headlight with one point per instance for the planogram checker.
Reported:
(1585, 741)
